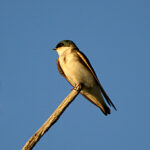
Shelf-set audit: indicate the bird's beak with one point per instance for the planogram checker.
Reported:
(54, 48)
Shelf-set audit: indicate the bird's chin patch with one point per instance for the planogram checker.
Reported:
(62, 50)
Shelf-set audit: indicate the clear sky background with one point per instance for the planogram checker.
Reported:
(114, 35)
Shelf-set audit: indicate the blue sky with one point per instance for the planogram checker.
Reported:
(114, 35)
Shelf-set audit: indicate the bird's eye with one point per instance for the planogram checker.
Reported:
(60, 45)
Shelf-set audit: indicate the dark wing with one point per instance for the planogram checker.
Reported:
(61, 71)
(87, 63)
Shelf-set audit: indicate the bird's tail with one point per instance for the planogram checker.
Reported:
(105, 109)
(97, 99)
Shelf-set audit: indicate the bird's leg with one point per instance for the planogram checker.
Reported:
(78, 87)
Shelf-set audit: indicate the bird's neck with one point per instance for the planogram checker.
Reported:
(64, 51)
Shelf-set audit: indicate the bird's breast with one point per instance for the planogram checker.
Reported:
(76, 71)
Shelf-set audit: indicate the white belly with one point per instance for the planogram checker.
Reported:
(75, 71)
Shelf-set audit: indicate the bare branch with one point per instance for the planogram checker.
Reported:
(52, 119)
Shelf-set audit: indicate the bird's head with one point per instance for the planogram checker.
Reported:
(64, 46)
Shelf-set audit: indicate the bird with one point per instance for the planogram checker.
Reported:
(75, 67)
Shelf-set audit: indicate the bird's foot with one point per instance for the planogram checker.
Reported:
(78, 87)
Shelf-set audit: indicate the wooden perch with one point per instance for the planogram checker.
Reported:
(52, 119)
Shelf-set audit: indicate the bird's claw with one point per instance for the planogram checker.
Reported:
(78, 87)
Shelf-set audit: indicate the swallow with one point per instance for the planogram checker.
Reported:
(75, 67)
